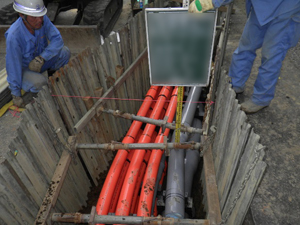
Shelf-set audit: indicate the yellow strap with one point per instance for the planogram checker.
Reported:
(178, 114)
(5, 108)
(10, 105)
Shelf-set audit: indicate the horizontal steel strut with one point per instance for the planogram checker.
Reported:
(161, 123)
(164, 146)
(93, 218)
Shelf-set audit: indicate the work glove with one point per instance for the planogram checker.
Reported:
(199, 6)
(36, 64)
(18, 101)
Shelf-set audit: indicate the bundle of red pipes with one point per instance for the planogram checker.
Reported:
(134, 169)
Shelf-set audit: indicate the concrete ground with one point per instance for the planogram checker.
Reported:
(277, 200)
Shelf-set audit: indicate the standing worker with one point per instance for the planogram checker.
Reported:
(28, 53)
(274, 26)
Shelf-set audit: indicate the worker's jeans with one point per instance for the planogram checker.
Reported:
(275, 38)
(33, 81)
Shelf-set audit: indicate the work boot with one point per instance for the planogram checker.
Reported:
(18, 101)
(250, 107)
(238, 90)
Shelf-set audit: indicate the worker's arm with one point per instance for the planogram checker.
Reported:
(199, 6)
(14, 65)
(55, 39)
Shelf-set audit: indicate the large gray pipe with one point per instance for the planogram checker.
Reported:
(191, 160)
(175, 193)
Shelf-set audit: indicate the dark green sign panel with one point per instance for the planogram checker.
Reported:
(179, 46)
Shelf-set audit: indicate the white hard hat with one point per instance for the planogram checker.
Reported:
(34, 8)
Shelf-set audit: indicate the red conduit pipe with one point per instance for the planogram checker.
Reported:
(125, 199)
(112, 177)
(136, 196)
(118, 187)
(146, 198)
(136, 192)
(137, 187)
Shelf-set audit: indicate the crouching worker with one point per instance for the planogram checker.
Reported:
(33, 45)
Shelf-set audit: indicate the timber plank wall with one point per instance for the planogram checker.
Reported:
(237, 154)
(48, 122)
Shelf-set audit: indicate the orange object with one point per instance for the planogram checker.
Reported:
(126, 195)
(108, 188)
(137, 187)
(146, 197)
(116, 194)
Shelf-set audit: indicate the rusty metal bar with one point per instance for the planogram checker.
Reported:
(103, 219)
(161, 123)
(56, 184)
(214, 211)
(163, 146)
(109, 93)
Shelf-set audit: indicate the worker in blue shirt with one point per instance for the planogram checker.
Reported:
(273, 26)
(28, 53)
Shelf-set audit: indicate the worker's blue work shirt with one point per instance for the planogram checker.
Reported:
(267, 10)
(22, 47)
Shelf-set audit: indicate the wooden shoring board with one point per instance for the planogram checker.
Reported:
(43, 151)
(94, 110)
(102, 74)
(218, 112)
(83, 89)
(222, 127)
(84, 65)
(36, 146)
(246, 162)
(127, 61)
(121, 91)
(93, 160)
(27, 180)
(143, 44)
(66, 116)
(238, 144)
(50, 108)
(137, 74)
(112, 47)
(26, 161)
(62, 87)
(89, 70)
(6, 215)
(14, 195)
(54, 189)
(123, 104)
(226, 150)
(77, 180)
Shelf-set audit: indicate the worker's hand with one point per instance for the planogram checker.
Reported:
(199, 6)
(18, 101)
(36, 64)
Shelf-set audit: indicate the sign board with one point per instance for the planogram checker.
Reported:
(180, 46)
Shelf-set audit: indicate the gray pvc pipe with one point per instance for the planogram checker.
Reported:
(191, 160)
(175, 193)
(159, 175)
